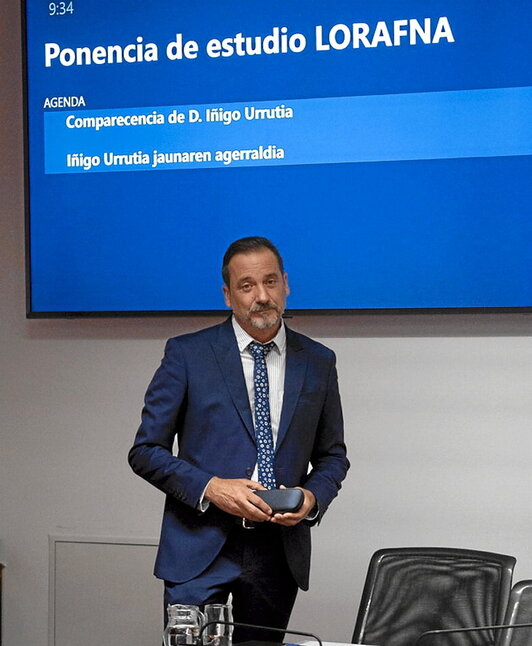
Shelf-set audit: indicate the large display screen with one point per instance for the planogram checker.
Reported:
(385, 147)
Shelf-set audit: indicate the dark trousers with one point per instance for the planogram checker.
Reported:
(252, 567)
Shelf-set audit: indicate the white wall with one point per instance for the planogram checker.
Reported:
(438, 414)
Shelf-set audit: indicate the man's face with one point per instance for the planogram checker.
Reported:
(257, 292)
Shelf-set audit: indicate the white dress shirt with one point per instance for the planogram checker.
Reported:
(275, 366)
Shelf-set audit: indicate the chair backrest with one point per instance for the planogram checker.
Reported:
(519, 611)
(414, 589)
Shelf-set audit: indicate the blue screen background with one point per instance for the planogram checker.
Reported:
(415, 233)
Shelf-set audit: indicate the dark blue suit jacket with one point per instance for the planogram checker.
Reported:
(199, 395)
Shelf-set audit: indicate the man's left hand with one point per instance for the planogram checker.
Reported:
(290, 519)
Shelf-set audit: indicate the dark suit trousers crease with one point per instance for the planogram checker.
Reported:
(252, 566)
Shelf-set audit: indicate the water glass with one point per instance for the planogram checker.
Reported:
(184, 624)
(217, 634)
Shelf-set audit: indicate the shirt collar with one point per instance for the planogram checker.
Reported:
(243, 339)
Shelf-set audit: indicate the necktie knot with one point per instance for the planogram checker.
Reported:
(259, 350)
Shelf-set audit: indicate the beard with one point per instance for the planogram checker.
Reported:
(270, 315)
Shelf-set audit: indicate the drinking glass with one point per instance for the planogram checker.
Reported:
(217, 634)
(184, 625)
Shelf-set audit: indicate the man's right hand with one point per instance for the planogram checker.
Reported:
(236, 497)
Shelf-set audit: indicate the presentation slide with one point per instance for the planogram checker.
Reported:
(384, 147)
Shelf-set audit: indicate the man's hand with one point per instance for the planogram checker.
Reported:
(290, 519)
(235, 496)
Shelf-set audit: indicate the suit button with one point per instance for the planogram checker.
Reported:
(249, 471)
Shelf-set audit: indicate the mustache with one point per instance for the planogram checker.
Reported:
(264, 307)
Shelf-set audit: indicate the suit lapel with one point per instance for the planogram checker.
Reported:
(296, 367)
(228, 357)
(226, 351)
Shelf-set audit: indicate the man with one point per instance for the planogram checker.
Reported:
(235, 427)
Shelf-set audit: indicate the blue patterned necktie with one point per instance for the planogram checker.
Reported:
(263, 426)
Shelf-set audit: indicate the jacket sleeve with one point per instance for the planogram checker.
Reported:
(329, 457)
(151, 455)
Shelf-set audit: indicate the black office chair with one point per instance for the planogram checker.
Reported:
(516, 629)
(414, 589)
(519, 611)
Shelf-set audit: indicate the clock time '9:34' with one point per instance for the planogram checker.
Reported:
(61, 8)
